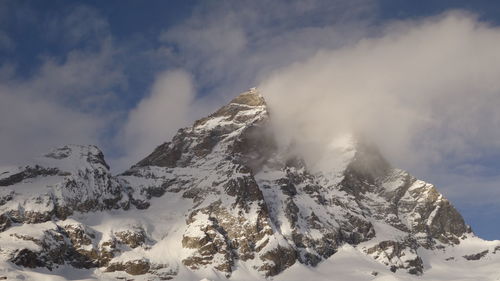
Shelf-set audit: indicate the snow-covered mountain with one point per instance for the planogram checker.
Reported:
(222, 200)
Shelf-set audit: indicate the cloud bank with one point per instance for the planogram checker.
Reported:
(426, 91)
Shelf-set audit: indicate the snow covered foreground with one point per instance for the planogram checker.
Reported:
(347, 265)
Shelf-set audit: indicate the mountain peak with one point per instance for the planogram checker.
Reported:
(70, 149)
(251, 97)
(230, 196)
(74, 154)
(226, 126)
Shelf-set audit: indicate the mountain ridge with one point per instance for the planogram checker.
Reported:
(221, 198)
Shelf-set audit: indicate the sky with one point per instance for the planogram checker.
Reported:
(418, 78)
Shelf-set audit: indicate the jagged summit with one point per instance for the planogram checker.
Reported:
(229, 122)
(223, 200)
(250, 98)
(294, 214)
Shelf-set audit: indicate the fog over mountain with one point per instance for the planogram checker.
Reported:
(425, 91)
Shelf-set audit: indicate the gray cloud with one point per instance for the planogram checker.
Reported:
(66, 99)
(425, 91)
(225, 47)
(229, 46)
(30, 126)
(80, 79)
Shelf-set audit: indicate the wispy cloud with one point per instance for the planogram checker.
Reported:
(157, 117)
(426, 91)
(228, 46)
(66, 98)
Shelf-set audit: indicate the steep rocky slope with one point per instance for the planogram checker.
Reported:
(223, 200)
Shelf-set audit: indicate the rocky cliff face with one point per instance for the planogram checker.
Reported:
(221, 195)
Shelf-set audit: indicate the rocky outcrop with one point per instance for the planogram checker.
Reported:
(398, 254)
(27, 173)
(475, 257)
(210, 243)
(277, 260)
(134, 267)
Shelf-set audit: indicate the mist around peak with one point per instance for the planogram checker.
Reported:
(424, 91)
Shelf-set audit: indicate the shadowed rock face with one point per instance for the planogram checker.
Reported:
(189, 142)
(369, 173)
(248, 201)
(27, 173)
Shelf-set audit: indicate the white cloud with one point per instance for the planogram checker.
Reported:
(61, 103)
(425, 91)
(66, 99)
(31, 126)
(158, 116)
(229, 45)
(82, 79)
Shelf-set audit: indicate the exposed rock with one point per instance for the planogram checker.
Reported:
(245, 189)
(277, 260)
(210, 242)
(5, 222)
(398, 255)
(497, 249)
(52, 249)
(475, 257)
(27, 258)
(134, 267)
(132, 237)
(27, 173)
